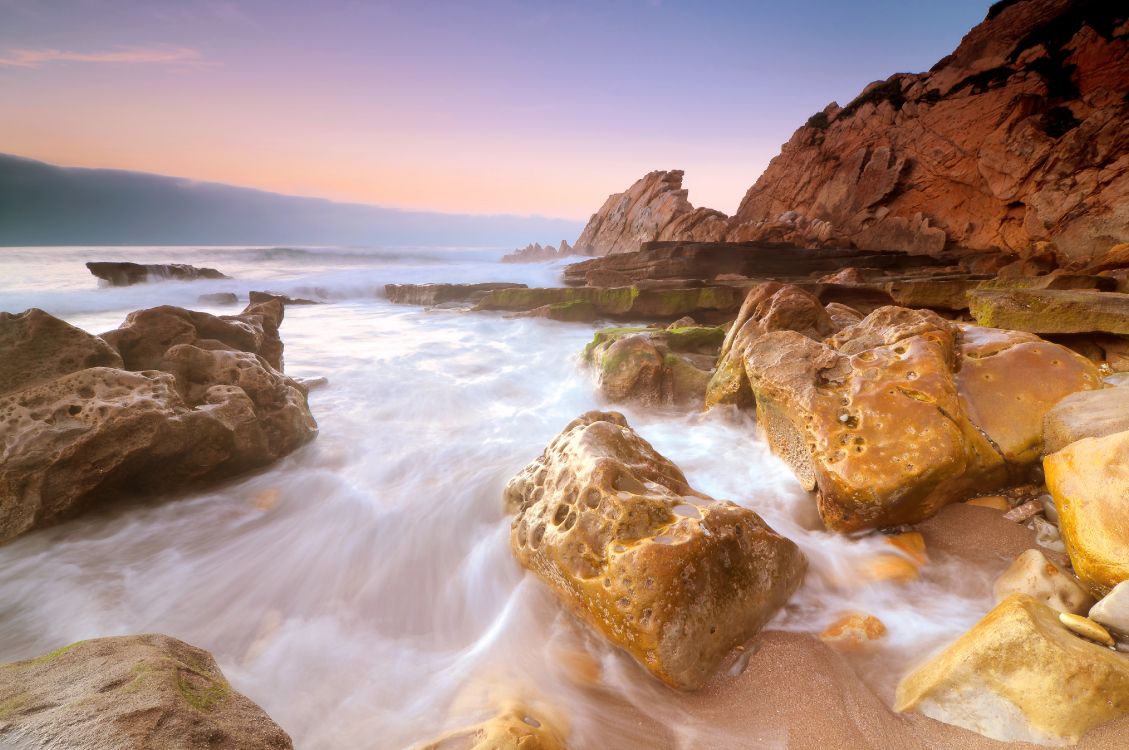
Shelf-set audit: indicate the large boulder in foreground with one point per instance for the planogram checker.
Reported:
(124, 273)
(38, 347)
(191, 413)
(440, 294)
(129, 693)
(669, 366)
(903, 412)
(1089, 481)
(1049, 311)
(1020, 676)
(672, 576)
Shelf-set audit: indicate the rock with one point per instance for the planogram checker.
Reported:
(1024, 511)
(146, 335)
(39, 347)
(1113, 609)
(1114, 259)
(903, 412)
(995, 502)
(438, 294)
(1020, 676)
(912, 544)
(126, 274)
(1086, 628)
(1086, 414)
(1051, 311)
(130, 693)
(654, 366)
(199, 408)
(513, 729)
(1047, 535)
(853, 632)
(1032, 574)
(218, 298)
(257, 297)
(654, 208)
(1013, 140)
(767, 307)
(668, 574)
(623, 302)
(537, 253)
(709, 262)
(1091, 492)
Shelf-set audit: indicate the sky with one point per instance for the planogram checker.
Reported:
(487, 106)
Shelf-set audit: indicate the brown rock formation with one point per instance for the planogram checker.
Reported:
(654, 208)
(123, 273)
(129, 693)
(1016, 138)
(672, 576)
(535, 252)
(655, 366)
(38, 347)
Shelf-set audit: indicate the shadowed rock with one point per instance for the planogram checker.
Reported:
(122, 273)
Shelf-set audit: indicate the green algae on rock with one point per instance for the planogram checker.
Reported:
(654, 365)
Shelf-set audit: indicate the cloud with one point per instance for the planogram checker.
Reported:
(34, 58)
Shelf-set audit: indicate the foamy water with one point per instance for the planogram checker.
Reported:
(362, 590)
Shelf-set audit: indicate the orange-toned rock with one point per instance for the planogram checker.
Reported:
(672, 576)
(995, 502)
(891, 568)
(853, 632)
(515, 728)
(912, 543)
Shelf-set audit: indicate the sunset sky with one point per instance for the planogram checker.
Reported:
(480, 107)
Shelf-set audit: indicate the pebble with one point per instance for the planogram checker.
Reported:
(995, 502)
(1021, 513)
(853, 631)
(1086, 628)
(1047, 535)
(1113, 610)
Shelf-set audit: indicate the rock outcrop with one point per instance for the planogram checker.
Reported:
(1013, 140)
(654, 208)
(893, 417)
(129, 693)
(672, 576)
(1090, 486)
(1020, 676)
(591, 303)
(1047, 311)
(192, 398)
(123, 273)
(668, 366)
(538, 253)
(441, 294)
(38, 347)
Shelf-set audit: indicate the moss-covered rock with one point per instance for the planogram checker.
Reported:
(654, 365)
(1049, 311)
(619, 302)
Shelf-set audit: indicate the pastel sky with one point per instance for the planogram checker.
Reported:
(494, 106)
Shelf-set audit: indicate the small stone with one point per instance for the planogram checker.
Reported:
(1049, 509)
(1034, 575)
(1047, 535)
(1113, 610)
(894, 568)
(1086, 628)
(912, 543)
(1022, 513)
(995, 502)
(853, 632)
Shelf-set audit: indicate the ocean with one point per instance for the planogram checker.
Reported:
(362, 590)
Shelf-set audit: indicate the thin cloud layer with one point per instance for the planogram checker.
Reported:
(34, 58)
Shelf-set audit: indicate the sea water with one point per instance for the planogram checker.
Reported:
(362, 589)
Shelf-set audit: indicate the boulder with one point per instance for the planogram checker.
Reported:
(1036, 576)
(1090, 486)
(516, 728)
(1086, 414)
(122, 273)
(672, 576)
(438, 294)
(1020, 676)
(1113, 609)
(1051, 311)
(257, 297)
(654, 366)
(129, 693)
(39, 347)
(893, 417)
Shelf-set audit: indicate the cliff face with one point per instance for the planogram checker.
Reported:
(1017, 138)
(654, 208)
(1016, 142)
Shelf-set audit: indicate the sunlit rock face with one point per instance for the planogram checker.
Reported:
(515, 728)
(1086, 414)
(672, 576)
(649, 366)
(1016, 138)
(903, 412)
(190, 405)
(654, 208)
(129, 693)
(1019, 675)
(1090, 486)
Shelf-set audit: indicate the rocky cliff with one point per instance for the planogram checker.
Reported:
(1015, 143)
